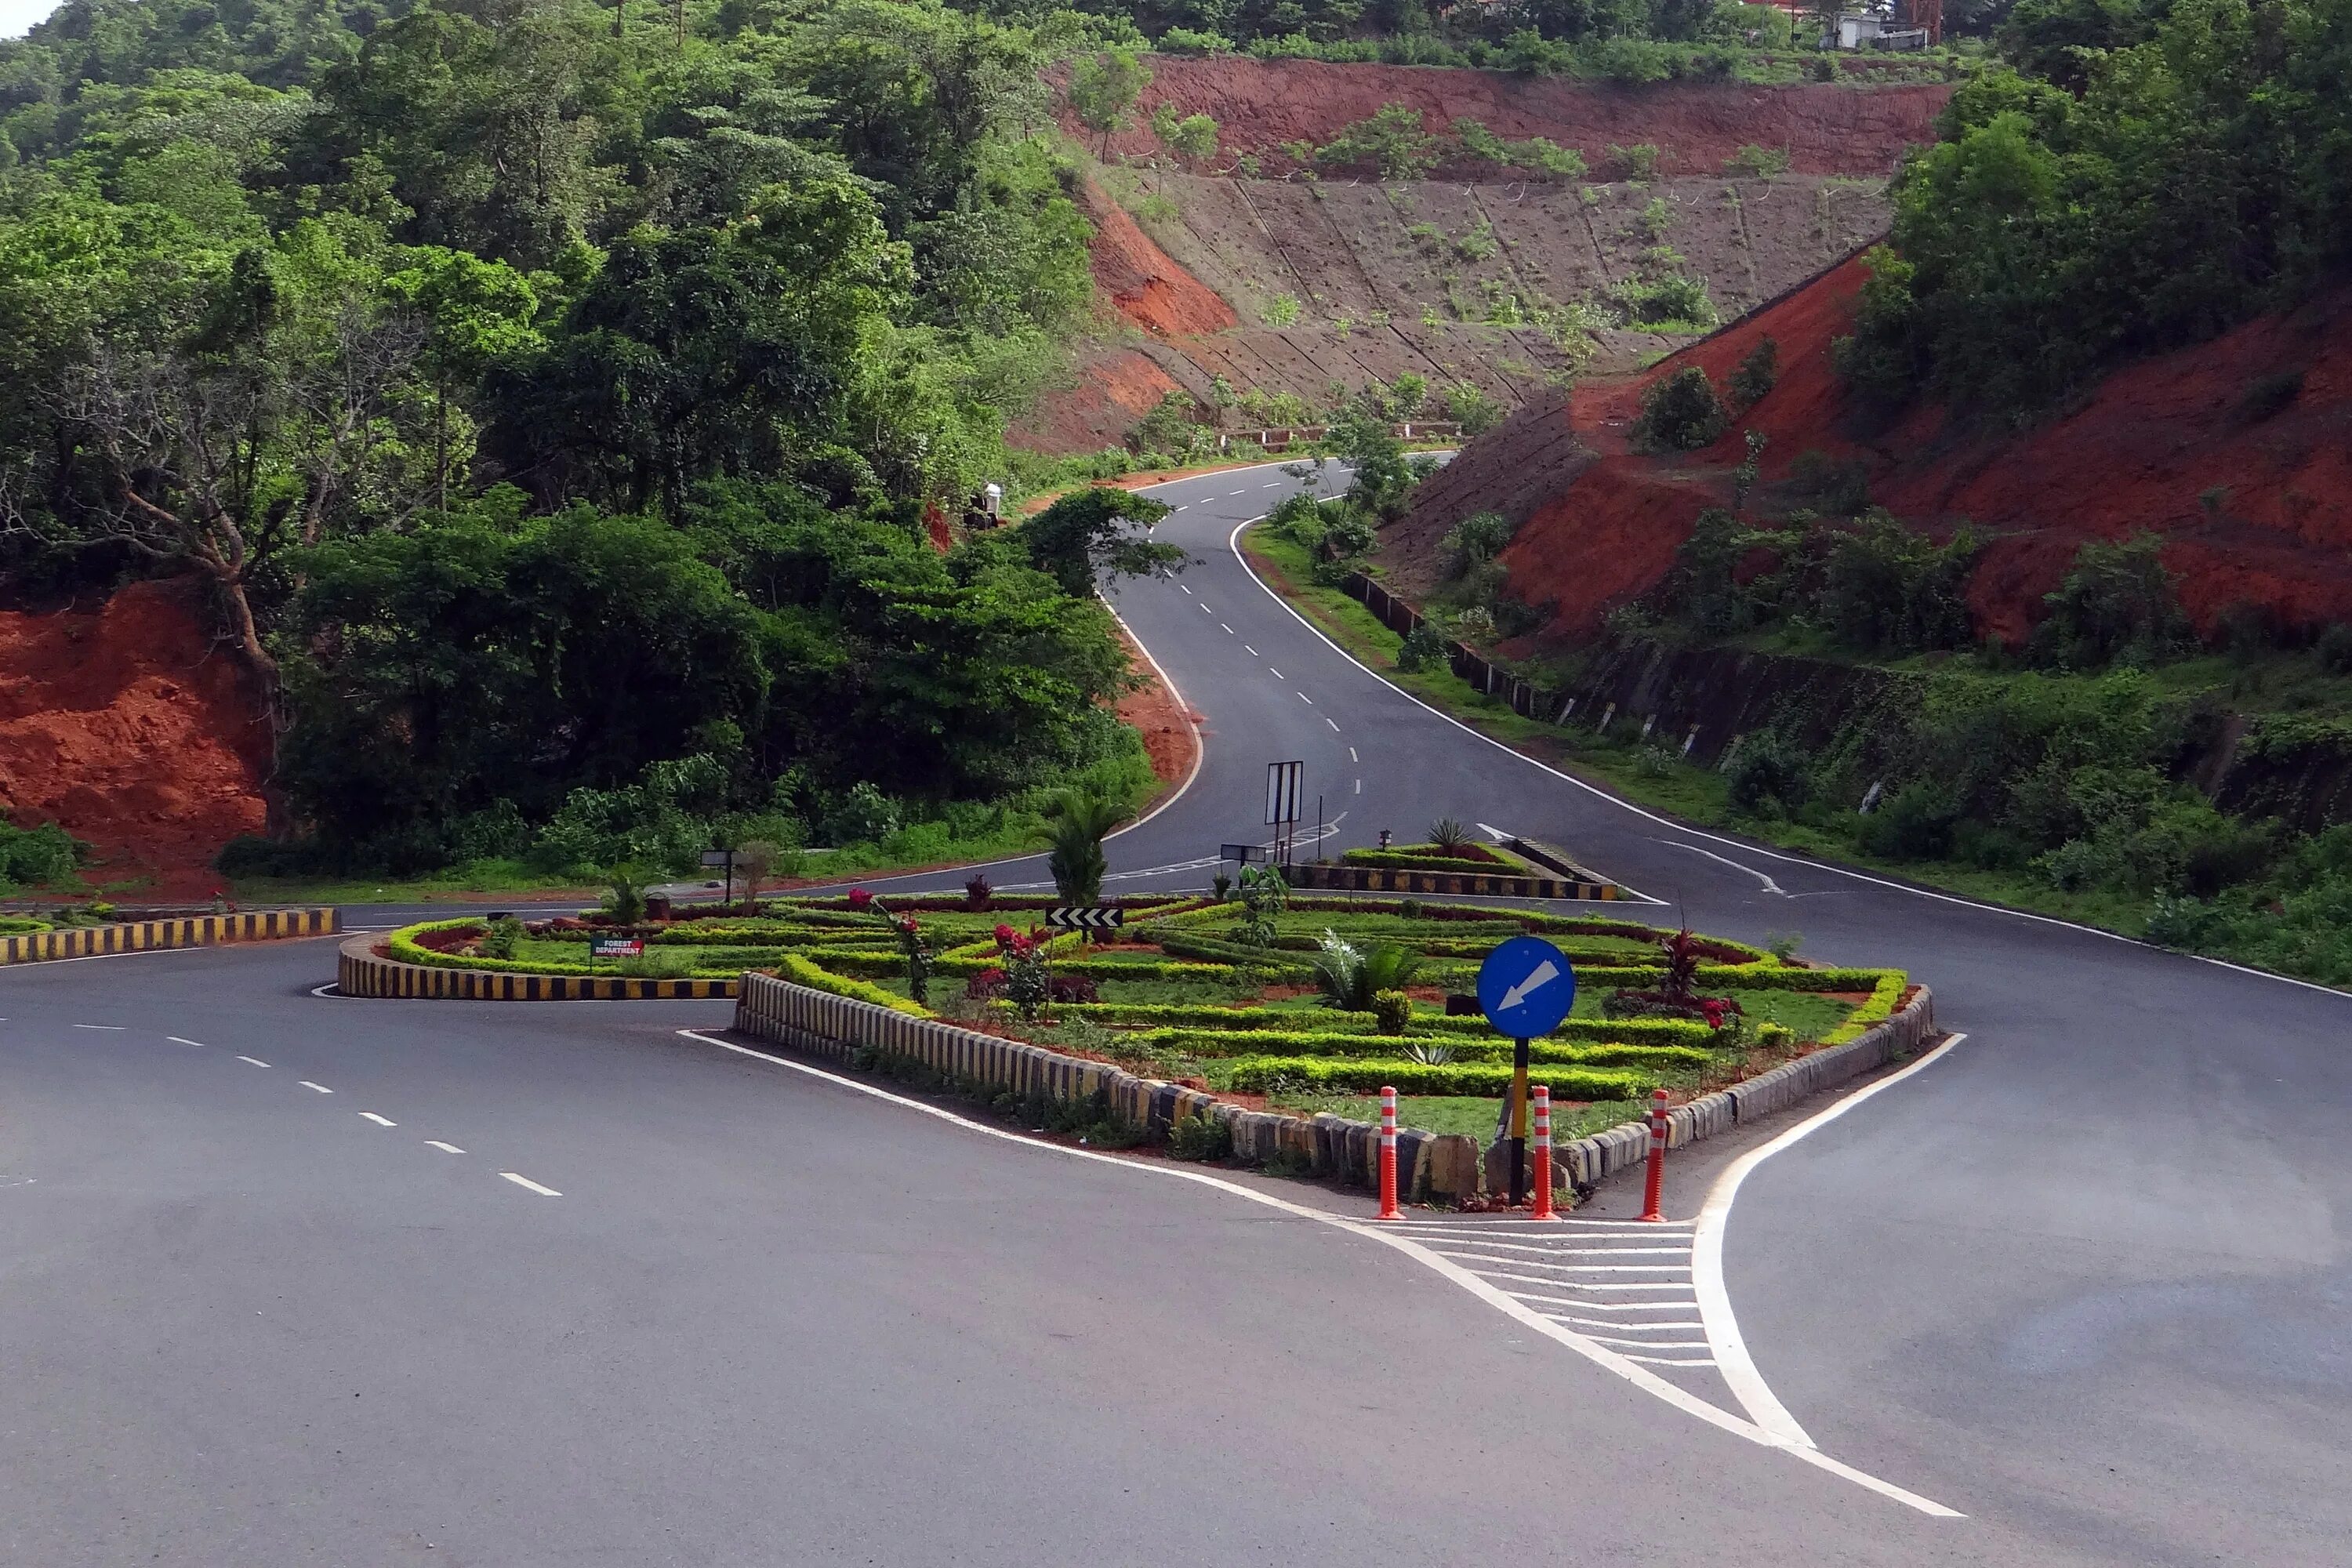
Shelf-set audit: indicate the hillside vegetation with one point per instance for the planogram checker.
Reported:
(2015, 555)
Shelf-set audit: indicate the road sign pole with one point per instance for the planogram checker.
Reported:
(1518, 1122)
(1387, 1156)
(1650, 1204)
(1543, 1152)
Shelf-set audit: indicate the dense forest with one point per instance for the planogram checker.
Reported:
(551, 397)
(2152, 172)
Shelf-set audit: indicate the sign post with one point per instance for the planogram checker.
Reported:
(1526, 988)
(1284, 782)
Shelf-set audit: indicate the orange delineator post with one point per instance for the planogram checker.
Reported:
(1389, 1209)
(1542, 1209)
(1657, 1156)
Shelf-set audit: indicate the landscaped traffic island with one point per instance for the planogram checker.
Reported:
(1267, 1000)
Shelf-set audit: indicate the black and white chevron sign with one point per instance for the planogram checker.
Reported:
(1085, 917)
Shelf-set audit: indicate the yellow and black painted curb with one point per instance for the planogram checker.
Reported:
(360, 973)
(1384, 879)
(182, 931)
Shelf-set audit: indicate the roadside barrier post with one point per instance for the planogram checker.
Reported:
(1657, 1156)
(1543, 1153)
(1518, 1122)
(1387, 1156)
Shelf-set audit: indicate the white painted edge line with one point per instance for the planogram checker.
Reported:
(1738, 1368)
(322, 1088)
(177, 1041)
(379, 1120)
(257, 1061)
(522, 1181)
(1600, 1355)
(444, 1148)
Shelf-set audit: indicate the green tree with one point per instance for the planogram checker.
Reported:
(1075, 826)
(1092, 533)
(1103, 90)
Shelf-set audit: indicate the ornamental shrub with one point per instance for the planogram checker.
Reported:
(1393, 1009)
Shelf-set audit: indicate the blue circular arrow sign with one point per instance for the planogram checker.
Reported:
(1526, 987)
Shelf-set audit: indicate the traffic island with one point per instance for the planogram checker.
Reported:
(145, 930)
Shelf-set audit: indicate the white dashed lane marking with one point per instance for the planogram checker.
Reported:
(1578, 1272)
(522, 1181)
(322, 1088)
(257, 1061)
(1277, 674)
(116, 1029)
(1249, 650)
(1333, 722)
(177, 1041)
(379, 1120)
(444, 1148)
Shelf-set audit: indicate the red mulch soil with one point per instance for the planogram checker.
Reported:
(128, 725)
(1827, 128)
(1142, 283)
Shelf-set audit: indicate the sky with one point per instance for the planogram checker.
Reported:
(15, 15)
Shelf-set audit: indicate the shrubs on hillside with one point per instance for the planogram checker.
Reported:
(1681, 412)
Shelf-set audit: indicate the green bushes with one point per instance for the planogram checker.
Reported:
(1680, 413)
(31, 857)
(2115, 607)
(1327, 1075)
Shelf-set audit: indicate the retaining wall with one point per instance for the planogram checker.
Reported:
(359, 972)
(179, 930)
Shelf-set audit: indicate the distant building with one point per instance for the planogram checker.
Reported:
(1869, 30)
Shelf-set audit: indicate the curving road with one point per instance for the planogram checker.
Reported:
(2080, 1280)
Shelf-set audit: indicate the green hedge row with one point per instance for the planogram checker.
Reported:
(1342, 1074)
(1401, 861)
(1309, 1043)
(1661, 1031)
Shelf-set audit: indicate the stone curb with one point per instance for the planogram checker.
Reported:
(183, 930)
(360, 973)
(1590, 1161)
(1386, 879)
(1429, 1165)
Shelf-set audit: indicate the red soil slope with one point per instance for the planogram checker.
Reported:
(127, 726)
(2254, 511)
(1142, 284)
(1827, 128)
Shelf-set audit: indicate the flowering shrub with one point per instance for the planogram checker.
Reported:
(860, 899)
(1026, 985)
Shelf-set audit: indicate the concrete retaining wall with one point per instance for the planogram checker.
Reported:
(184, 930)
(360, 973)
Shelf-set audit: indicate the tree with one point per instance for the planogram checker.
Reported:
(1090, 532)
(1680, 414)
(249, 424)
(1192, 138)
(1103, 88)
(754, 860)
(476, 313)
(1075, 826)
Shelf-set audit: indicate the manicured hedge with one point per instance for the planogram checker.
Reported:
(792, 966)
(1343, 1075)
(1307, 1043)
(1885, 997)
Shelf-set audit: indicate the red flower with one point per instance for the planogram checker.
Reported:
(1004, 933)
(906, 924)
(859, 899)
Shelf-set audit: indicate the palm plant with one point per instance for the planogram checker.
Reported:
(1076, 825)
(1447, 832)
(1349, 976)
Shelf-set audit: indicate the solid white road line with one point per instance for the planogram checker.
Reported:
(1769, 885)
(177, 1041)
(116, 1029)
(322, 1088)
(1739, 1372)
(257, 1061)
(534, 1187)
(1395, 1238)
(444, 1148)
(379, 1120)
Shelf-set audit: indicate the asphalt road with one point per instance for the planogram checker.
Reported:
(2081, 1281)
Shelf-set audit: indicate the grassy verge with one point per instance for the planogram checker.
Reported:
(1695, 795)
